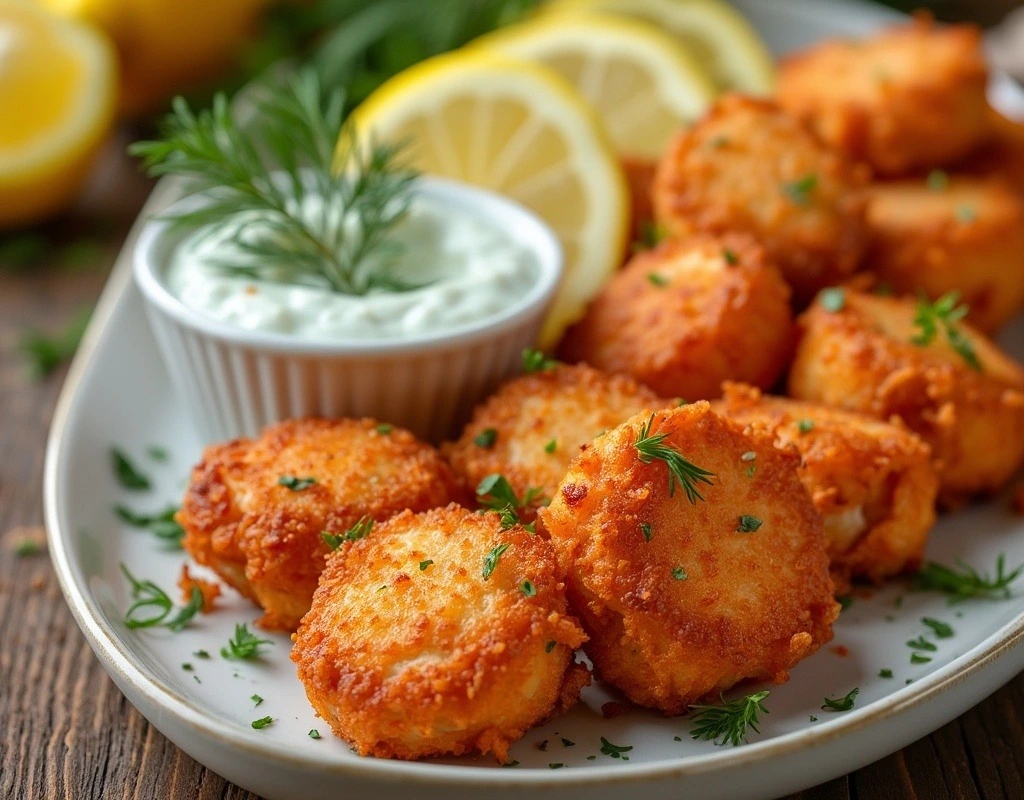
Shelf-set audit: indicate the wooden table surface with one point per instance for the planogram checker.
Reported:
(67, 732)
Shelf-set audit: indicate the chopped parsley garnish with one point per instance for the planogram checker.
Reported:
(256, 699)
(679, 574)
(728, 723)
(512, 763)
(941, 629)
(549, 646)
(938, 180)
(966, 214)
(657, 280)
(557, 765)
(244, 644)
(492, 558)
(295, 484)
(812, 718)
(384, 428)
(885, 673)
(496, 493)
(528, 588)
(845, 601)
(681, 471)
(799, 191)
(805, 425)
(358, 531)
(834, 299)
(156, 606)
(542, 745)
(201, 654)
(730, 257)
(157, 453)
(568, 742)
(314, 734)
(651, 235)
(749, 523)
(425, 564)
(27, 548)
(45, 352)
(919, 658)
(613, 750)
(844, 703)
(920, 643)
(945, 313)
(262, 722)
(645, 529)
(551, 446)
(126, 473)
(160, 524)
(966, 582)
(536, 361)
(486, 438)
(187, 667)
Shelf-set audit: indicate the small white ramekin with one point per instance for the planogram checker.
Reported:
(234, 382)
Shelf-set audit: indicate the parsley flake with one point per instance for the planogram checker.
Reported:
(536, 361)
(657, 280)
(885, 673)
(157, 453)
(549, 646)
(384, 428)
(551, 446)
(244, 645)
(262, 722)
(844, 703)
(425, 564)
(645, 529)
(486, 438)
(314, 734)
(295, 484)
(358, 531)
(749, 523)
(805, 425)
(941, 629)
(679, 574)
(938, 180)
(945, 313)
(528, 589)
(161, 524)
(919, 658)
(492, 558)
(730, 257)
(126, 473)
(613, 750)
(799, 191)
(833, 300)
(256, 699)
(920, 643)
(568, 742)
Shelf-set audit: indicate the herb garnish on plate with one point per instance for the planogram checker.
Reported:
(728, 723)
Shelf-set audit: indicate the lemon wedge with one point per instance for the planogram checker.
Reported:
(717, 35)
(642, 83)
(519, 129)
(57, 94)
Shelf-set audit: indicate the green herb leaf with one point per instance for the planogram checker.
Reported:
(885, 673)
(938, 180)
(153, 606)
(536, 361)
(360, 530)
(920, 643)
(613, 750)
(195, 605)
(492, 558)
(919, 658)
(679, 574)
(295, 484)
(384, 428)
(799, 191)
(652, 447)
(728, 723)
(805, 425)
(645, 529)
(568, 742)
(157, 453)
(262, 722)
(730, 257)
(528, 589)
(201, 654)
(244, 645)
(45, 353)
(844, 703)
(549, 647)
(657, 280)
(161, 524)
(945, 313)
(749, 523)
(941, 629)
(425, 564)
(486, 438)
(551, 446)
(965, 582)
(845, 601)
(27, 548)
(127, 475)
(834, 299)
(314, 734)
(651, 235)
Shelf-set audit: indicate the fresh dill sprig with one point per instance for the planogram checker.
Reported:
(966, 582)
(244, 644)
(945, 313)
(688, 475)
(258, 183)
(728, 723)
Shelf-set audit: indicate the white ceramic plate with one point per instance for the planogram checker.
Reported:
(117, 394)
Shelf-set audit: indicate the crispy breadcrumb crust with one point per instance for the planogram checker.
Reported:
(683, 317)
(699, 606)
(409, 659)
(911, 97)
(1002, 153)
(749, 166)
(873, 483)
(265, 539)
(567, 405)
(861, 358)
(964, 234)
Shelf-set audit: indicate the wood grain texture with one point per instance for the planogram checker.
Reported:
(67, 732)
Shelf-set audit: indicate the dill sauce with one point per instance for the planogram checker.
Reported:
(472, 268)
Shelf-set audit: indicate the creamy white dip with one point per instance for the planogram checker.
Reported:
(472, 267)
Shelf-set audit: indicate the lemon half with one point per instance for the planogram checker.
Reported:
(521, 130)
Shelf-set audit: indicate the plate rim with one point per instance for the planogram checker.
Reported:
(116, 657)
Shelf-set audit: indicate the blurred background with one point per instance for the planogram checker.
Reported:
(62, 223)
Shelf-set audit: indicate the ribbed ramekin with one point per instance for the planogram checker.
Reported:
(234, 382)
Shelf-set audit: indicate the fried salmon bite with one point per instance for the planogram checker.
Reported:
(912, 97)
(948, 233)
(749, 166)
(439, 634)
(533, 426)
(887, 356)
(689, 570)
(687, 315)
(873, 483)
(256, 508)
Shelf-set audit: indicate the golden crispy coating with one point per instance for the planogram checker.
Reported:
(540, 422)
(911, 97)
(411, 649)
(679, 603)
(264, 539)
(689, 314)
(872, 482)
(862, 358)
(951, 233)
(1002, 154)
(749, 166)
(640, 177)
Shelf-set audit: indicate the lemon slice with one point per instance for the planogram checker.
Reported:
(642, 84)
(521, 130)
(718, 36)
(57, 95)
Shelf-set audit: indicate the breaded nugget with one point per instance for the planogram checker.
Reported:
(534, 425)
(873, 482)
(251, 514)
(951, 232)
(1002, 153)
(439, 634)
(750, 166)
(862, 356)
(683, 597)
(911, 97)
(688, 315)
(640, 178)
